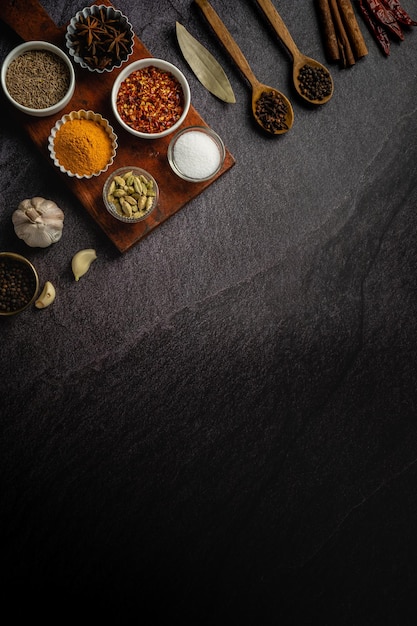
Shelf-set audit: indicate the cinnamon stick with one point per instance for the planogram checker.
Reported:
(329, 32)
(347, 56)
(353, 31)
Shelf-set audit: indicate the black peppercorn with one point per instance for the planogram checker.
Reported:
(315, 82)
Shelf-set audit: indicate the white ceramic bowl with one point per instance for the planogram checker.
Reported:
(118, 213)
(164, 66)
(120, 22)
(43, 46)
(89, 115)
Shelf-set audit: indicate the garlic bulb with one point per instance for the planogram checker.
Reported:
(39, 222)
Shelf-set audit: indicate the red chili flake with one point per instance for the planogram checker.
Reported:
(150, 100)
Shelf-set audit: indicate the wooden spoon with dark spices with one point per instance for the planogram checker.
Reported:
(271, 109)
(312, 79)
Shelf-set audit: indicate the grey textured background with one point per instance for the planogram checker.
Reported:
(219, 426)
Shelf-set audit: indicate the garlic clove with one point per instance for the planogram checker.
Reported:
(81, 262)
(46, 297)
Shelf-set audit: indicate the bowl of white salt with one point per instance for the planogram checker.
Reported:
(196, 153)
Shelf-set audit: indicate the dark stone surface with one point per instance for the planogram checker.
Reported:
(219, 426)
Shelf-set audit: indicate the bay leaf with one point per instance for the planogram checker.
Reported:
(206, 68)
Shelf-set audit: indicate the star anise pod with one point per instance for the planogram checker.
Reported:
(119, 43)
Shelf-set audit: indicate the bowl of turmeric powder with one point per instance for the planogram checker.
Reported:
(82, 144)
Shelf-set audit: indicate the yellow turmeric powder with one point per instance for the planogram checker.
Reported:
(82, 146)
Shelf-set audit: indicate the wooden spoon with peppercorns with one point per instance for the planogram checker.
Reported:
(271, 109)
(312, 80)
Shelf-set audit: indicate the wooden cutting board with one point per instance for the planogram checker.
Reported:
(92, 92)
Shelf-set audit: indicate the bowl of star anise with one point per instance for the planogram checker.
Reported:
(100, 38)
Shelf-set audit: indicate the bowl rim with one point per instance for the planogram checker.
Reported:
(25, 261)
(122, 170)
(82, 114)
(207, 131)
(89, 10)
(162, 64)
(38, 44)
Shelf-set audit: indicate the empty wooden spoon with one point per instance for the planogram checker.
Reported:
(271, 109)
(312, 80)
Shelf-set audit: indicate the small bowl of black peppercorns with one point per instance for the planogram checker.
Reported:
(19, 283)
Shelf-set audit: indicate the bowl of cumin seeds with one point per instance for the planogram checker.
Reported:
(38, 78)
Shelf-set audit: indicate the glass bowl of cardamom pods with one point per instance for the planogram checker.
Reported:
(130, 194)
(100, 38)
(38, 78)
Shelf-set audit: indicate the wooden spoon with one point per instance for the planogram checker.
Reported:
(284, 119)
(299, 60)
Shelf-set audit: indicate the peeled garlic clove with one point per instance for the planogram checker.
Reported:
(81, 262)
(46, 297)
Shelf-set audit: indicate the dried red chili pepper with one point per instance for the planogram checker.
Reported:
(385, 17)
(398, 12)
(376, 29)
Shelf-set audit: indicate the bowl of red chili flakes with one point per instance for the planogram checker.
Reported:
(151, 98)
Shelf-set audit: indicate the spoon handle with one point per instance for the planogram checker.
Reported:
(279, 26)
(227, 40)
